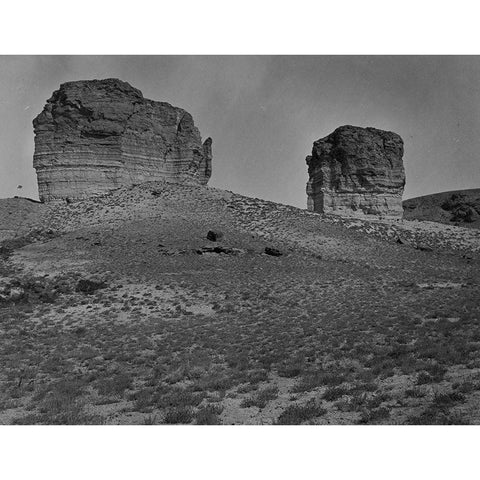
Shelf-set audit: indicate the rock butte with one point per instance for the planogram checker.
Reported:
(97, 135)
(356, 171)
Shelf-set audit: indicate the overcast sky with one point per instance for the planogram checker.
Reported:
(264, 113)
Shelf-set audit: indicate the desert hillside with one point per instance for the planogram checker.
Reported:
(459, 207)
(119, 310)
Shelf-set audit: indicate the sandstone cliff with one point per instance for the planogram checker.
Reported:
(97, 135)
(355, 171)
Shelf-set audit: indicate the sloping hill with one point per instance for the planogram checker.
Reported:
(460, 207)
(119, 310)
(18, 216)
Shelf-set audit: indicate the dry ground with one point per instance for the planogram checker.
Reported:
(110, 314)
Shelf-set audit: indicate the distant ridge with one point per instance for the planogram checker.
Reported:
(455, 207)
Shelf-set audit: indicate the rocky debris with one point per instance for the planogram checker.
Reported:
(11, 293)
(33, 289)
(214, 236)
(412, 233)
(273, 252)
(97, 135)
(461, 207)
(356, 171)
(424, 248)
(225, 250)
(89, 286)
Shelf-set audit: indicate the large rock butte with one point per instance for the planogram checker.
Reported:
(356, 171)
(97, 135)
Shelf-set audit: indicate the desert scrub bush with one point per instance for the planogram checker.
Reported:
(179, 397)
(438, 412)
(247, 388)
(465, 387)
(73, 416)
(150, 420)
(257, 376)
(312, 380)
(355, 403)
(374, 415)
(144, 399)
(63, 391)
(298, 414)
(333, 393)
(436, 416)
(414, 392)
(115, 385)
(89, 286)
(436, 371)
(444, 400)
(214, 382)
(209, 415)
(260, 398)
(179, 415)
(432, 373)
(24, 291)
(291, 369)
(60, 405)
(383, 367)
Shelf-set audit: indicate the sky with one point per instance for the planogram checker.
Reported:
(264, 112)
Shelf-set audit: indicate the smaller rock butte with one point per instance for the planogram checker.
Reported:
(97, 135)
(356, 171)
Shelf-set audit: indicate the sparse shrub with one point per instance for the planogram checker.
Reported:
(297, 414)
(312, 380)
(246, 388)
(447, 399)
(423, 378)
(256, 376)
(353, 404)
(60, 405)
(333, 393)
(179, 397)
(465, 387)
(214, 382)
(374, 415)
(144, 399)
(179, 415)
(436, 371)
(414, 392)
(115, 385)
(208, 415)
(89, 286)
(260, 398)
(436, 416)
(290, 369)
(150, 420)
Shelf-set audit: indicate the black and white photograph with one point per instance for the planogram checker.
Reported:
(163, 263)
(231, 240)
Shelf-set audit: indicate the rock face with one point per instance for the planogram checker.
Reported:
(356, 171)
(97, 135)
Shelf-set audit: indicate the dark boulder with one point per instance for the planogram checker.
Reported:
(214, 235)
(273, 251)
(89, 286)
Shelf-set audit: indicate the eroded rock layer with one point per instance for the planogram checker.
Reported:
(97, 135)
(356, 171)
